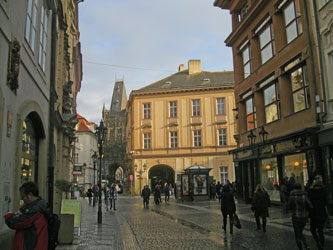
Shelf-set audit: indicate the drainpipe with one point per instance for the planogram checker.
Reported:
(320, 61)
(51, 110)
(313, 77)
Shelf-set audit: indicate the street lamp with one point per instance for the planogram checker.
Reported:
(263, 134)
(251, 137)
(140, 172)
(100, 136)
(94, 157)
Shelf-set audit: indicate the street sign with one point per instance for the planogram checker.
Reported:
(77, 169)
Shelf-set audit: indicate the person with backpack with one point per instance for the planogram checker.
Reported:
(300, 206)
(30, 220)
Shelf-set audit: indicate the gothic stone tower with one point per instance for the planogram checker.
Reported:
(115, 144)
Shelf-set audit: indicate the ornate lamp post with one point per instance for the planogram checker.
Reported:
(263, 134)
(251, 137)
(94, 157)
(140, 172)
(101, 137)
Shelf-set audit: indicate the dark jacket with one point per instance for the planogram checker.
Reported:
(227, 202)
(145, 193)
(30, 225)
(260, 203)
(317, 196)
(299, 204)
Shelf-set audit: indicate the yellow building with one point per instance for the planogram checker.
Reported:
(183, 120)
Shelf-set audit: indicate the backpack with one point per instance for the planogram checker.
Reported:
(53, 226)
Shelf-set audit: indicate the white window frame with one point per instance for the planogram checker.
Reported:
(295, 21)
(268, 45)
(196, 107)
(43, 38)
(31, 23)
(197, 138)
(304, 88)
(147, 111)
(146, 140)
(222, 137)
(224, 175)
(246, 61)
(275, 102)
(220, 104)
(173, 139)
(173, 109)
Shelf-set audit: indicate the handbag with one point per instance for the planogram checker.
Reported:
(236, 221)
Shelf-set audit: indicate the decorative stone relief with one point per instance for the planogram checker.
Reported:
(13, 65)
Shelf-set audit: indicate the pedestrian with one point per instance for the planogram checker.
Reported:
(228, 206)
(299, 205)
(212, 191)
(218, 191)
(318, 215)
(157, 194)
(166, 192)
(145, 195)
(106, 196)
(113, 194)
(284, 193)
(90, 194)
(260, 204)
(30, 221)
(291, 183)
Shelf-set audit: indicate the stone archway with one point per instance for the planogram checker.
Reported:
(160, 174)
(116, 173)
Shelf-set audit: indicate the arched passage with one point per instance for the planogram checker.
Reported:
(160, 174)
(116, 174)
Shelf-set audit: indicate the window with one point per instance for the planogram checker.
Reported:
(292, 18)
(174, 139)
(224, 175)
(146, 111)
(146, 140)
(31, 21)
(196, 107)
(271, 103)
(250, 114)
(246, 61)
(300, 89)
(266, 44)
(243, 12)
(222, 137)
(29, 171)
(42, 38)
(197, 138)
(220, 102)
(173, 109)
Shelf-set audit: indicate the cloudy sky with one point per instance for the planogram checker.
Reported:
(142, 41)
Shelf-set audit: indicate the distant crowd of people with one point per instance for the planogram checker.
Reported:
(110, 194)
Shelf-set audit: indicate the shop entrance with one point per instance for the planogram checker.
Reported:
(160, 174)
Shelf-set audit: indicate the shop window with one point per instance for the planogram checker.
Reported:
(270, 178)
(173, 109)
(220, 103)
(224, 175)
(296, 166)
(43, 38)
(197, 138)
(292, 18)
(196, 107)
(300, 89)
(250, 114)
(147, 140)
(31, 23)
(174, 139)
(29, 156)
(146, 111)
(272, 103)
(222, 137)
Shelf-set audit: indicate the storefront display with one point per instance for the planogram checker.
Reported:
(270, 178)
(296, 166)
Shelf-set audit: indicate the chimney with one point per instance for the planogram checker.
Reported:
(181, 67)
(194, 66)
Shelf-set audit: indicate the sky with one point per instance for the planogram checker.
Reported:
(143, 41)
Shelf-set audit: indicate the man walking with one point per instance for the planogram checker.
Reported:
(145, 195)
(113, 196)
(29, 222)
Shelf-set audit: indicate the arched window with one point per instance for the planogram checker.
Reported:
(29, 170)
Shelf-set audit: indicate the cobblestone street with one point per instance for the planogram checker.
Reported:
(177, 225)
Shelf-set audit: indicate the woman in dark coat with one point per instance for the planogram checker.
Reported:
(318, 215)
(260, 204)
(228, 206)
